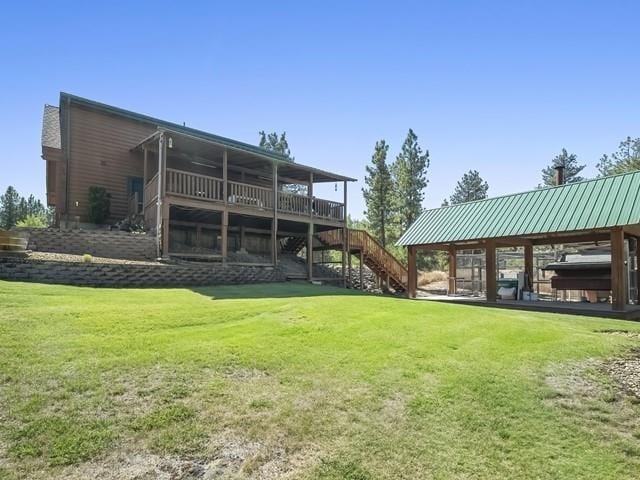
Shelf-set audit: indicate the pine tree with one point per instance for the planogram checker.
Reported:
(410, 180)
(378, 193)
(9, 208)
(626, 159)
(470, 187)
(275, 143)
(571, 169)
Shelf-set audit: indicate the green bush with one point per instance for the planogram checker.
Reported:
(86, 258)
(99, 205)
(33, 221)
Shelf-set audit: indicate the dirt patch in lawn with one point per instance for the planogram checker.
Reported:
(228, 456)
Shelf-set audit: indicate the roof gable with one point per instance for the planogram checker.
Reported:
(593, 204)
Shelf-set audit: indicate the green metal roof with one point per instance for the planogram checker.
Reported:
(592, 204)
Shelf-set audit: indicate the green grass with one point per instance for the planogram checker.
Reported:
(313, 382)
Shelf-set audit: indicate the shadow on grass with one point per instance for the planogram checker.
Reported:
(273, 290)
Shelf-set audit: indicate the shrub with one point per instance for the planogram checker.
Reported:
(33, 221)
(99, 205)
(86, 258)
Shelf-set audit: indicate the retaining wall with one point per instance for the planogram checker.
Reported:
(134, 275)
(99, 243)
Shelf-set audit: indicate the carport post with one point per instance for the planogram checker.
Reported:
(452, 270)
(618, 270)
(490, 254)
(412, 270)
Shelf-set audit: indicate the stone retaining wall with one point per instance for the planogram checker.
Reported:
(134, 275)
(99, 243)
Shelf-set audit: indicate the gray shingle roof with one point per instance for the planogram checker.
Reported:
(51, 127)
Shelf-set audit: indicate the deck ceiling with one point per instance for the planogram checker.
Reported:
(207, 151)
(588, 208)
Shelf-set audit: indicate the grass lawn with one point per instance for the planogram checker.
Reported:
(298, 381)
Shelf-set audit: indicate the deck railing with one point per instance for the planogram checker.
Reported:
(194, 185)
(293, 203)
(202, 187)
(250, 195)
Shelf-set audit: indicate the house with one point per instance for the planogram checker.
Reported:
(199, 192)
(201, 195)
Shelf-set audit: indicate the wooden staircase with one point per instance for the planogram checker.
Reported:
(379, 260)
(293, 245)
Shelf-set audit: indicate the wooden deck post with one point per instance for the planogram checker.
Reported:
(162, 153)
(452, 270)
(274, 222)
(345, 238)
(618, 270)
(490, 255)
(361, 269)
(310, 230)
(224, 227)
(310, 251)
(528, 263)
(165, 229)
(145, 176)
(224, 236)
(412, 270)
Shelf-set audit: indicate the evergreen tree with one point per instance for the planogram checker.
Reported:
(410, 180)
(378, 193)
(275, 143)
(470, 187)
(571, 169)
(626, 159)
(9, 208)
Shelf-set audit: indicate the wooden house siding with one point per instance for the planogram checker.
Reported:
(100, 155)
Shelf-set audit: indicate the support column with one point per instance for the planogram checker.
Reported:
(618, 270)
(345, 238)
(165, 229)
(310, 252)
(224, 236)
(490, 255)
(224, 227)
(274, 222)
(452, 270)
(361, 269)
(162, 155)
(637, 299)
(412, 269)
(145, 178)
(528, 263)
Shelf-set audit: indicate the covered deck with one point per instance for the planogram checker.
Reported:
(187, 172)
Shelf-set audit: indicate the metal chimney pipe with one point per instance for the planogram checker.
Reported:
(559, 175)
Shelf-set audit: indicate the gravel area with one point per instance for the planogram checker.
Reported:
(625, 371)
(65, 257)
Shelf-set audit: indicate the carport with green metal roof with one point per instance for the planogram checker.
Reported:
(603, 209)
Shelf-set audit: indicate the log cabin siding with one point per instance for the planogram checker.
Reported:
(100, 155)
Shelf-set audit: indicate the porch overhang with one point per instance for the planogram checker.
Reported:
(209, 152)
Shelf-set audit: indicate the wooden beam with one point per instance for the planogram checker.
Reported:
(225, 178)
(162, 155)
(165, 229)
(361, 269)
(490, 254)
(310, 251)
(452, 270)
(310, 194)
(528, 262)
(274, 222)
(224, 236)
(345, 237)
(145, 175)
(412, 269)
(618, 270)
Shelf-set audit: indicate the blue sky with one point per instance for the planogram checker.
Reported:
(499, 87)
